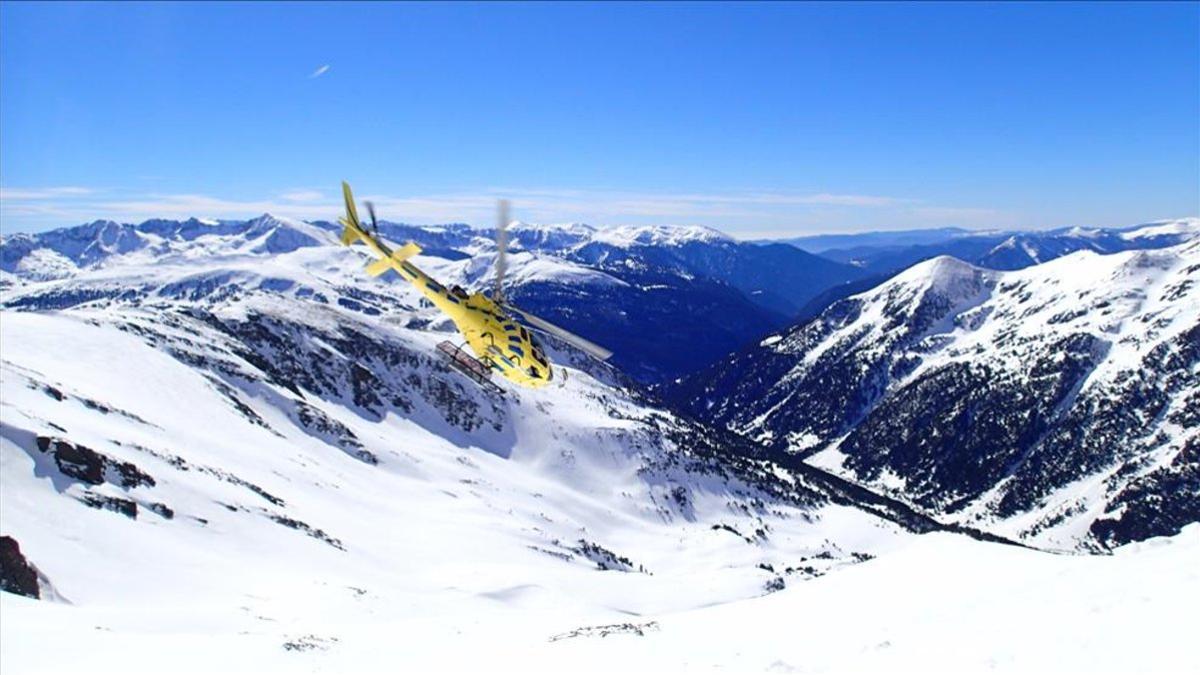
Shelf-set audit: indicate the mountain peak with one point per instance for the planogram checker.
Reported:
(941, 272)
(284, 235)
(659, 235)
(268, 218)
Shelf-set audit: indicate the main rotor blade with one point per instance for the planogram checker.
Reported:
(371, 210)
(501, 247)
(544, 326)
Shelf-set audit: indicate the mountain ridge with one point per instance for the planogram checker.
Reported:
(707, 289)
(960, 389)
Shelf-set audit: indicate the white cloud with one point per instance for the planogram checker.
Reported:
(852, 200)
(956, 213)
(761, 213)
(188, 205)
(43, 193)
(319, 71)
(302, 196)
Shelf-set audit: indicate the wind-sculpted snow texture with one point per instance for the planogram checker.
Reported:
(1055, 404)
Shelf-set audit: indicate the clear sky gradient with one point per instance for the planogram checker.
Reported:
(759, 119)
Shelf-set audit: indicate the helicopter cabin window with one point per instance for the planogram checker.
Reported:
(537, 356)
(524, 333)
(516, 350)
(509, 327)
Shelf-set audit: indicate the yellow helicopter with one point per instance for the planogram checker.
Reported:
(496, 331)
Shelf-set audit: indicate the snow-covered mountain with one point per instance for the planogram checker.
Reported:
(225, 452)
(880, 255)
(103, 242)
(630, 288)
(1055, 404)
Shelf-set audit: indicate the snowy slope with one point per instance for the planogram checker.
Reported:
(1054, 404)
(940, 604)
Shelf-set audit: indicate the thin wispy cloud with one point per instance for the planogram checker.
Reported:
(303, 196)
(749, 214)
(43, 193)
(319, 72)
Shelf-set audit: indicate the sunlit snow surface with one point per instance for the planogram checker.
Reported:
(455, 543)
(941, 604)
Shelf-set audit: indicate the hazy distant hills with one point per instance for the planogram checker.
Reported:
(879, 255)
(886, 252)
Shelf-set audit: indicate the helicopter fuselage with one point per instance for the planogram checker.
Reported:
(495, 337)
(498, 341)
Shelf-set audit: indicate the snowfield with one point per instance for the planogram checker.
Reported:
(942, 603)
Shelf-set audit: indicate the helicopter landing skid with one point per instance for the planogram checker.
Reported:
(468, 365)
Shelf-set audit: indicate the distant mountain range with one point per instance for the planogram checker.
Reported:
(889, 252)
(666, 300)
(879, 255)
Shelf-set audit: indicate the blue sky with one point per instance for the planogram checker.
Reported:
(759, 119)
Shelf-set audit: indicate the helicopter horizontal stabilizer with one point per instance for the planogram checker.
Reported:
(379, 267)
(405, 252)
(393, 260)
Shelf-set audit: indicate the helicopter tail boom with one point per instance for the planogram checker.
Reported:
(350, 233)
(353, 232)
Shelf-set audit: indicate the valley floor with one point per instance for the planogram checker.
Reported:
(939, 603)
